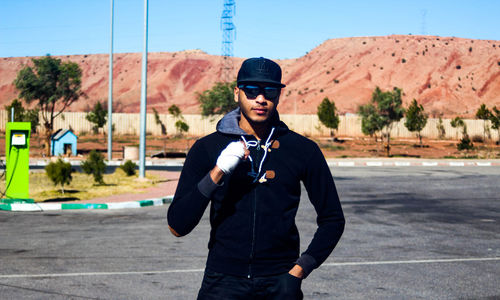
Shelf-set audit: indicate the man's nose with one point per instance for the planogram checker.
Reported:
(260, 98)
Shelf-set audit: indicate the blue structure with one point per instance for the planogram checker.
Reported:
(228, 34)
(63, 142)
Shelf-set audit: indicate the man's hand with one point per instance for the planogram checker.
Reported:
(231, 156)
(297, 271)
(174, 232)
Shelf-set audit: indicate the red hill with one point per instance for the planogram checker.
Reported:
(452, 76)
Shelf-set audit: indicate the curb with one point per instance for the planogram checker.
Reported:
(379, 163)
(65, 206)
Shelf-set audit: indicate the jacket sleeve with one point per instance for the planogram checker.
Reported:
(322, 193)
(193, 191)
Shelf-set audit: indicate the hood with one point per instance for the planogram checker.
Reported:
(229, 124)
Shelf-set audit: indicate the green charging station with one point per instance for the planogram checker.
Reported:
(17, 147)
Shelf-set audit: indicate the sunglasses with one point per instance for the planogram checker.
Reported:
(252, 91)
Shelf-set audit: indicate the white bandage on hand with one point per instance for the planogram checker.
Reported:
(230, 157)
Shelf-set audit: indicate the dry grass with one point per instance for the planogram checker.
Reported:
(82, 186)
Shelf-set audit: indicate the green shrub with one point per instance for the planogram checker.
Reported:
(95, 165)
(465, 144)
(59, 172)
(129, 168)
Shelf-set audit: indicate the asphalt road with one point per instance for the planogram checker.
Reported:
(411, 233)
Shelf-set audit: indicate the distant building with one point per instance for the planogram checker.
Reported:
(63, 142)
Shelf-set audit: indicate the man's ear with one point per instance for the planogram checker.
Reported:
(236, 94)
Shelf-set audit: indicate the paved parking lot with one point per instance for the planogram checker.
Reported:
(411, 233)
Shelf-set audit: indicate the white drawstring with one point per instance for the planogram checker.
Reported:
(249, 144)
(255, 144)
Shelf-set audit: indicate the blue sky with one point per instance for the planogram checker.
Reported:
(275, 29)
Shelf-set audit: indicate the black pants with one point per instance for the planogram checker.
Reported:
(221, 286)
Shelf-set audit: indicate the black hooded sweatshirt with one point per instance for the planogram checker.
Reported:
(252, 211)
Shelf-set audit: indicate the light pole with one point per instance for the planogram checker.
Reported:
(110, 92)
(142, 140)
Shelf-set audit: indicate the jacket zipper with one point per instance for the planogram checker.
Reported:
(253, 234)
(253, 223)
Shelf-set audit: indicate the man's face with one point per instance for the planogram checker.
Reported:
(258, 101)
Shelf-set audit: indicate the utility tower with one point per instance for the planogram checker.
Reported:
(228, 35)
(423, 12)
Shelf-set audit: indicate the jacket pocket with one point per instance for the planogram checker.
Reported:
(291, 286)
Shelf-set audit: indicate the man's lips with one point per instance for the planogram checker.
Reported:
(259, 110)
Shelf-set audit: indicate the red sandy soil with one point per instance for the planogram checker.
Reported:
(449, 76)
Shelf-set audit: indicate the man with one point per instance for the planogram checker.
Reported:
(250, 172)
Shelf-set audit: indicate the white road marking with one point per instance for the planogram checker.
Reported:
(98, 273)
(346, 164)
(422, 261)
(338, 264)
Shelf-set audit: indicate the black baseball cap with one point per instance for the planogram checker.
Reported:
(260, 69)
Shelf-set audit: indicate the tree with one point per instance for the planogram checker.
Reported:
(327, 114)
(440, 129)
(181, 127)
(32, 116)
(159, 122)
(386, 108)
(371, 122)
(218, 100)
(495, 121)
(59, 172)
(484, 113)
(459, 122)
(97, 116)
(54, 85)
(18, 110)
(465, 142)
(94, 165)
(416, 119)
(390, 109)
(180, 124)
(162, 127)
(175, 111)
(24, 115)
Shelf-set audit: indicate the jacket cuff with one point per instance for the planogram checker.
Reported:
(207, 186)
(308, 263)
